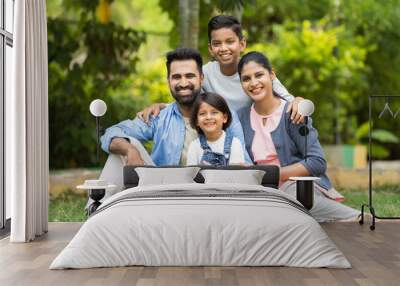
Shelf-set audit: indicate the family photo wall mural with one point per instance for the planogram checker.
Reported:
(192, 83)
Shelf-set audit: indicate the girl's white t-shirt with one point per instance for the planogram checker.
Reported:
(195, 151)
(230, 88)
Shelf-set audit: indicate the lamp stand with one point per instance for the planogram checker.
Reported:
(98, 138)
(306, 135)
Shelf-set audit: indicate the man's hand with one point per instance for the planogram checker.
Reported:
(133, 157)
(153, 109)
(294, 109)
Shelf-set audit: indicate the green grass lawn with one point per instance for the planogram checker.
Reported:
(386, 199)
(70, 206)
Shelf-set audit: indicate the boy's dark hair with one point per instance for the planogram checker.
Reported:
(256, 57)
(214, 100)
(224, 21)
(181, 54)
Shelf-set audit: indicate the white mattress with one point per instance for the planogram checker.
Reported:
(270, 229)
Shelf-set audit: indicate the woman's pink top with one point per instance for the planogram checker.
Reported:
(263, 149)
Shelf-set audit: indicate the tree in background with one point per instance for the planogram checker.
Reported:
(360, 57)
(189, 23)
(379, 23)
(89, 57)
(196, 25)
(333, 52)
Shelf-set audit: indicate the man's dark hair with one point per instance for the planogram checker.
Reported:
(256, 57)
(213, 99)
(182, 54)
(224, 21)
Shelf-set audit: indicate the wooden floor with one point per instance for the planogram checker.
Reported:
(374, 255)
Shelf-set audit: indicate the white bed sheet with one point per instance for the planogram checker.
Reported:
(190, 231)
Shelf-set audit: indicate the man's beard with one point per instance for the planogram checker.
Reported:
(186, 100)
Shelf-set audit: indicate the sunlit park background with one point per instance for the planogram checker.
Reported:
(334, 52)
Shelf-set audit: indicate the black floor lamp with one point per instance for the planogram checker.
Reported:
(96, 188)
(305, 185)
(98, 108)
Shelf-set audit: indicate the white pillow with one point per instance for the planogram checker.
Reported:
(166, 176)
(249, 177)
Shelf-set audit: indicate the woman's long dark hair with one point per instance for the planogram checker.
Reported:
(258, 58)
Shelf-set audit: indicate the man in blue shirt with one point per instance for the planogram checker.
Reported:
(170, 130)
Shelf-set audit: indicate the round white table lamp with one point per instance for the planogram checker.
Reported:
(98, 108)
(306, 107)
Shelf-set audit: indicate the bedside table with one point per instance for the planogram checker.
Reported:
(96, 190)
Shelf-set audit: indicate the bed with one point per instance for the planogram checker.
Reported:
(200, 224)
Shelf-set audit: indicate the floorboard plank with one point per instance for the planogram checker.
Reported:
(374, 255)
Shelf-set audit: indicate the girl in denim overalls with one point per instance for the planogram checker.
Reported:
(211, 117)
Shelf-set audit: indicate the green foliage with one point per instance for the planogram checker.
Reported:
(374, 19)
(351, 52)
(259, 19)
(229, 5)
(379, 137)
(379, 23)
(143, 15)
(151, 84)
(335, 53)
(384, 136)
(379, 152)
(303, 56)
(87, 60)
(362, 132)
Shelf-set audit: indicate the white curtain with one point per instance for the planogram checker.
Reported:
(27, 153)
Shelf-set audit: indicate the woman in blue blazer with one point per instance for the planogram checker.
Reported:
(272, 138)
